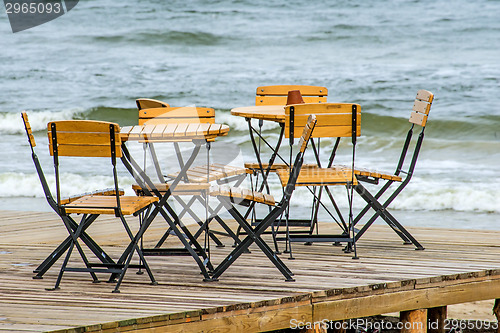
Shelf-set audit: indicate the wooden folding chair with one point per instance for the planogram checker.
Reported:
(336, 120)
(401, 175)
(56, 254)
(332, 123)
(230, 196)
(91, 139)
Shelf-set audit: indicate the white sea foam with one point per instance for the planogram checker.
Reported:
(11, 123)
(452, 196)
(14, 184)
(420, 196)
(239, 123)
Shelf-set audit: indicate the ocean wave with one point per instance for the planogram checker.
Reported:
(426, 196)
(163, 38)
(421, 195)
(458, 197)
(13, 184)
(122, 116)
(481, 127)
(11, 123)
(239, 124)
(384, 130)
(380, 134)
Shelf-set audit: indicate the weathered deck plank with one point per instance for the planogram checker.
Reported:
(456, 266)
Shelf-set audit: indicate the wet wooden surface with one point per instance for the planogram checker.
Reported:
(457, 266)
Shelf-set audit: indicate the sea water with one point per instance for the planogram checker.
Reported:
(94, 61)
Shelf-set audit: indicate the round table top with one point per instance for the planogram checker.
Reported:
(265, 112)
(173, 132)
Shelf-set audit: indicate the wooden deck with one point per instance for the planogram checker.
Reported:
(457, 266)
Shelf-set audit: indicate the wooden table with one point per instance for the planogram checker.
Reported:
(199, 134)
(263, 112)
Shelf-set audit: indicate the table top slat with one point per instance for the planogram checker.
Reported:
(169, 130)
(180, 131)
(126, 129)
(203, 129)
(192, 129)
(158, 131)
(147, 131)
(136, 130)
(224, 129)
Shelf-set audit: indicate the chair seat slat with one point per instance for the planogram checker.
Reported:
(108, 191)
(181, 187)
(236, 194)
(216, 172)
(106, 204)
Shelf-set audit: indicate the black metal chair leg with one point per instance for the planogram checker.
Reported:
(63, 267)
(386, 216)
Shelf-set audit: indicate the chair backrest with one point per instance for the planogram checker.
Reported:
(86, 138)
(333, 119)
(277, 95)
(421, 108)
(168, 115)
(419, 115)
(29, 132)
(148, 103)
